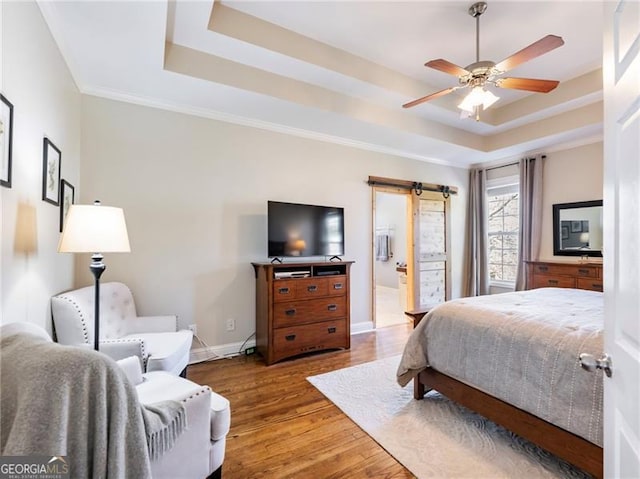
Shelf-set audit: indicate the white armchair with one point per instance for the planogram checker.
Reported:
(197, 453)
(156, 340)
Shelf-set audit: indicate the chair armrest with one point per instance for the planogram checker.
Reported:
(118, 349)
(152, 324)
(190, 456)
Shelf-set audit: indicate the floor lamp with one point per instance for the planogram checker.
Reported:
(95, 229)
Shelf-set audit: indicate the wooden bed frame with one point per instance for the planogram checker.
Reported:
(564, 444)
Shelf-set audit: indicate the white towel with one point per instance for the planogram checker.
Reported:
(382, 247)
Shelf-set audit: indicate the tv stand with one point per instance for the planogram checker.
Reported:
(301, 308)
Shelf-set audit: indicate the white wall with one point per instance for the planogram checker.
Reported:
(391, 219)
(569, 175)
(46, 103)
(195, 193)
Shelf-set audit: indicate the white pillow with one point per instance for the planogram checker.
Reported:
(132, 369)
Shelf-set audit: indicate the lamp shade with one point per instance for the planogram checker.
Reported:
(94, 229)
(584, 237)
(476, 97)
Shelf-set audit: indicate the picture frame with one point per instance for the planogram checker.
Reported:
(6, 141)
(576, 226)
(67, 198)
(51, 161)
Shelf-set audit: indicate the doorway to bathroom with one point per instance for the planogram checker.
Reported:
(391, 244)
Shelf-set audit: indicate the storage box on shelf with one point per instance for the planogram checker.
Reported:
(301, 307)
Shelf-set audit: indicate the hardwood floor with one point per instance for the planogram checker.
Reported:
(283, 427)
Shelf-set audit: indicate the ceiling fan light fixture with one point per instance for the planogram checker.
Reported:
(476, 97)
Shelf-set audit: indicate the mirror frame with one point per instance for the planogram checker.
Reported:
(556, 229)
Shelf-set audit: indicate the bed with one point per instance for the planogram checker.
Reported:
(513, 358)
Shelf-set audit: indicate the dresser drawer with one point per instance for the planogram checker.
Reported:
(311, 288)
(591, 284)
(565, 269)
(544, 281)
(337, 285)
(293, 313)
(284, 290)
(309, 337)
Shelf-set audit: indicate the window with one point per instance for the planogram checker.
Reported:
(504, 224)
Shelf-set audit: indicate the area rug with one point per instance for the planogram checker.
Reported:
(433, 438)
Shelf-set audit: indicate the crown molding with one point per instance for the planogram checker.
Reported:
(260, 124)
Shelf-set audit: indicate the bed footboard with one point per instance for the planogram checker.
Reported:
(568, 446)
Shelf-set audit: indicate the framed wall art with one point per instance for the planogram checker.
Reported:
(6, 140)
(51, 160)
(67, 198)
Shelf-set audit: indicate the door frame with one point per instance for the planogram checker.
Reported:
(410, 253)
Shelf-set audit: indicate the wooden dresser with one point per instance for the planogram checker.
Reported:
(301, 307)
(543, 274)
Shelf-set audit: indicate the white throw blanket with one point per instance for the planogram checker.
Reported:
(65, 401)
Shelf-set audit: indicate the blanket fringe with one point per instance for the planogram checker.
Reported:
(161, 440)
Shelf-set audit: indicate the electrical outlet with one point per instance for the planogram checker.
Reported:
(193, 328)
(231, 324)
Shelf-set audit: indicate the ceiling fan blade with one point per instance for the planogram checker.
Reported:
(447, 67)
(534, 50)
(529, 84)
(429, 97)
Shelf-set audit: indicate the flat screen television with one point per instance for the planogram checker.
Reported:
(296, 230)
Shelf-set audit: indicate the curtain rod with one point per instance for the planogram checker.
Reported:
(508, 164)
(416, 186)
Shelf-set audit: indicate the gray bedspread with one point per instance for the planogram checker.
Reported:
(520, 347)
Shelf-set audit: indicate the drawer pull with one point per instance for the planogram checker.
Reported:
(312, 288)
(543, 268)
(283, 290)
(583, 271)
(337, 286)
(290, 337)
(553, 281)
(290, 312)
(331, 330)
(332, 307)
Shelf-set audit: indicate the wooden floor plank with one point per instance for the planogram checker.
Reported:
(282, 426)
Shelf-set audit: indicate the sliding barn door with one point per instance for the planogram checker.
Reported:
(431, 259)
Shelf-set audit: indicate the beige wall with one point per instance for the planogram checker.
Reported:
(195, 192)
(46, 103)
(569, 175)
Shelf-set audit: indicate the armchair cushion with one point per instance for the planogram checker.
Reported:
(132, 369)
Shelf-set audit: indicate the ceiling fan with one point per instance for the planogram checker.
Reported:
(482, 73)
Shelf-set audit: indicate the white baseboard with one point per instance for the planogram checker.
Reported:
(362, 327)
(198, 355)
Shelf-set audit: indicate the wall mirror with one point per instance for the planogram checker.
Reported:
(577, 228)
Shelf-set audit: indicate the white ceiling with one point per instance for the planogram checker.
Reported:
(340, 70)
